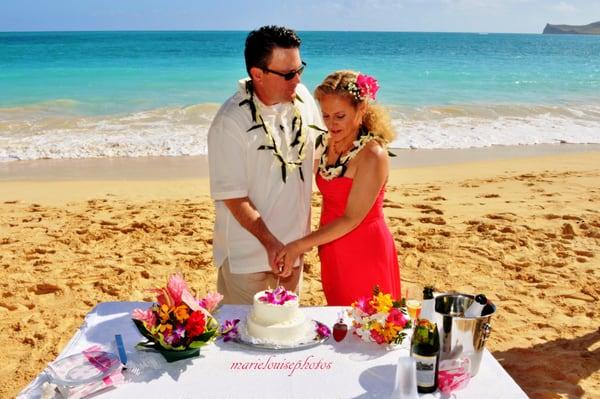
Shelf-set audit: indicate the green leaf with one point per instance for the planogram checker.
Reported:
(319, 141)
(299, 99)
(197, 344)
(391, 154)
(296, 139)
(142, 329)
(205, 336)
(283, 171)
(317, 128)
(254, 128)
(301, 173)
(146, 344)
(266, 147)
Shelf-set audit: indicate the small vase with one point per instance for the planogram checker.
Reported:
(173, 355)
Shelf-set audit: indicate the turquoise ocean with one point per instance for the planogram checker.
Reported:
(108, 94)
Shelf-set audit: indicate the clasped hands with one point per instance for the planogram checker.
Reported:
(284, 259)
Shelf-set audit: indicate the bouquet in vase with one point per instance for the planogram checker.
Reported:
(379, 319)
(179, 323)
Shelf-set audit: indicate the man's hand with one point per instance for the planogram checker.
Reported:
(246, 214)
(273, 247)
(287, 257)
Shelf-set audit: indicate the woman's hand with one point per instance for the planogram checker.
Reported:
(288, 255)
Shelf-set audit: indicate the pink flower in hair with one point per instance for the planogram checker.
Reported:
(367, 85)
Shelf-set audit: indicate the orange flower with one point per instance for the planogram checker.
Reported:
(181, 313)
(165, 328)
(164, 313)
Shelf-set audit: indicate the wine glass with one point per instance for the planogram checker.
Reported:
(413, 303)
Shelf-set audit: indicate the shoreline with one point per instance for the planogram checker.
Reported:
(196, 167)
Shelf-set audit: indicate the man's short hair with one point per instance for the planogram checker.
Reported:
(261, 42)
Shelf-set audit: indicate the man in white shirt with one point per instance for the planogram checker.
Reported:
(260, 152)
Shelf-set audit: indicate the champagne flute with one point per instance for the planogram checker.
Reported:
(413, 304)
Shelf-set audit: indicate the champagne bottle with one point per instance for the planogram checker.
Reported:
(425, 349)
(476, 308)
(428, 306)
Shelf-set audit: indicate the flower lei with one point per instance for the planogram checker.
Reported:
(330, 172)
(297, 127)
(364, 87)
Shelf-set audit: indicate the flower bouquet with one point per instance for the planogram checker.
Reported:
(178, 324)
(379, 319)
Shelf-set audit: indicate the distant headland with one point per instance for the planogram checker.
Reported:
(590, 29)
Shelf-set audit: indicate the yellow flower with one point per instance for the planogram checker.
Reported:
(163, 313)
(377, 327)
(165, 328)
(383, 302)
(181, 313)
(391, 331)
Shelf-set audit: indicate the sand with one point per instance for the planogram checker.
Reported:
(525, 231)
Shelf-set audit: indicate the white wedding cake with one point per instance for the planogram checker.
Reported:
(276, 319)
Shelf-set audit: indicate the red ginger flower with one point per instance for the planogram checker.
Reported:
(196, 324)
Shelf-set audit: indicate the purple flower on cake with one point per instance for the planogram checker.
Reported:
(322, 330)
(229, 330)
(278, 296)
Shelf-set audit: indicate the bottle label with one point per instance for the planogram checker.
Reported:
(425, 370)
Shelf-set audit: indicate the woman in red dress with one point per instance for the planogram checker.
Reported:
(356, 248)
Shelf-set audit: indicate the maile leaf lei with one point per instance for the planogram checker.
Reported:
(298, 130)
(329, 172)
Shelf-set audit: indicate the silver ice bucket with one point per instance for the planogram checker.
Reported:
(462, 337)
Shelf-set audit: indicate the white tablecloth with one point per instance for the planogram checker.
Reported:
(350, 369)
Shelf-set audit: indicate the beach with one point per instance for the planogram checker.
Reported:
(518, 224)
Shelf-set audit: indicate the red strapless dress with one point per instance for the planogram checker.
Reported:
(361, 259)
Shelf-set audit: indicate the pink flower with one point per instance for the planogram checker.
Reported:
(377, 337)
(322, 330)
(211, 300)
(278, 296)
(177, 287)
(397, 317)
(190, 300)
(367, 85)
(146, 316)
(229, 330)
(365, 305)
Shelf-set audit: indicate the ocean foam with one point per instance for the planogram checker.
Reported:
(28, 135)
(50, 131)
(483, 126)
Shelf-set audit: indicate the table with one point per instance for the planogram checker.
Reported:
(349, 369)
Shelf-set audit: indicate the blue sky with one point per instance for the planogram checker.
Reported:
(519, 16)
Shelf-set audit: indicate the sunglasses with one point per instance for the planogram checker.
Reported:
(290, 75)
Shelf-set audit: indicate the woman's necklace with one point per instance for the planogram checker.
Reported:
(329, 172)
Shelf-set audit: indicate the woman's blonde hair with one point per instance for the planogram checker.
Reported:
(376, 119)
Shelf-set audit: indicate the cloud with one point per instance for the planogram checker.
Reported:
(562, 7)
